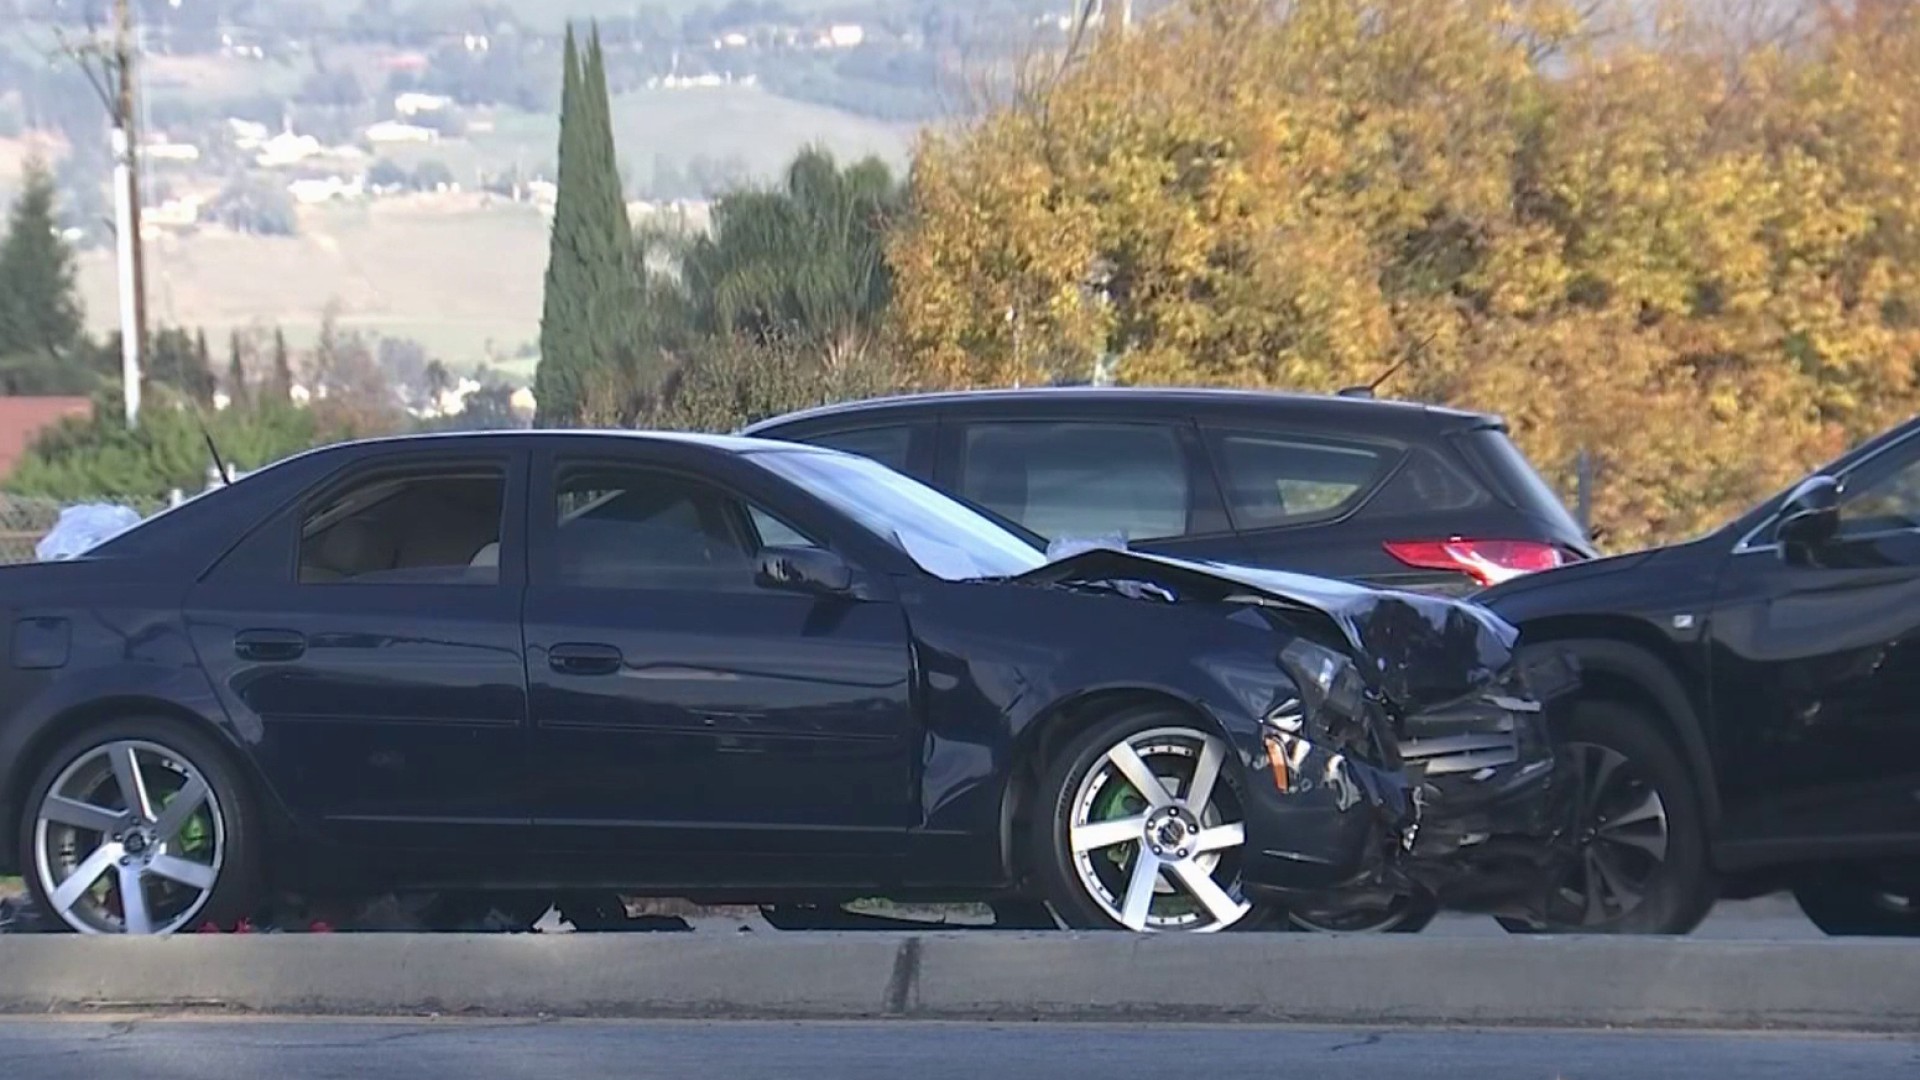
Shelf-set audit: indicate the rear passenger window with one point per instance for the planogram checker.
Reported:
(1080, 480)
(1287, 479)
(886, 445)
(422, 529)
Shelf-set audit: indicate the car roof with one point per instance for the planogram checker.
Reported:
(1330, 408)
(732, 444)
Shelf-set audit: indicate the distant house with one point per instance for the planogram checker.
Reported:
(413, 61)
(247, 134)
(843, 36)
(22, 419)
(164, 150)
(240, 44)
(690, 82)
(323, 189)
(393, 131)
(177, 213)
(413, 103)
(287, 148)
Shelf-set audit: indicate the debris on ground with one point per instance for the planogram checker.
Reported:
(18, 915)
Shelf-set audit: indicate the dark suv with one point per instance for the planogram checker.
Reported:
(1393, 494)
(1749, 717)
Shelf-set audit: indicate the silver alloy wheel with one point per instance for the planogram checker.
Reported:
(1155, 834)
(129, 839)
(1622, 837)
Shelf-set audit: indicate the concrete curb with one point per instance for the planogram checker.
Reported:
(1581, 982)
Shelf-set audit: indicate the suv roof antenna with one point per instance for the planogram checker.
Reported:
(1366, 390)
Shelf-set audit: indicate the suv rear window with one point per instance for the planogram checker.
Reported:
(1276, 480)
(1512, 470)
(886, 445)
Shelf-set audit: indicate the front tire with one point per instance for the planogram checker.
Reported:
(1855, 901)
(1405, 915)
(140, 826)
(1141, 828)
(1640, 864)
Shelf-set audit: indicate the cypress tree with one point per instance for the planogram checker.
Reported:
(203, 383)
(282, 386)
(237, 396)
(589, 314)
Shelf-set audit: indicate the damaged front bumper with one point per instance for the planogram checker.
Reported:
(1469, 813)
(1410, 755)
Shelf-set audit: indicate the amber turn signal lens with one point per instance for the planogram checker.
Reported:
(1277, 761)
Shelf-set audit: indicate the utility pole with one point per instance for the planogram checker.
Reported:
(109, 67)
(1095, 12)
(126, 201)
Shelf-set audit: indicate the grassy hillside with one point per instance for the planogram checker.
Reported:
(462, 276)
(763, 131)
(553, 13)
(459, 276)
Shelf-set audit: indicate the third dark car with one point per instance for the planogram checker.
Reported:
(1749, 712)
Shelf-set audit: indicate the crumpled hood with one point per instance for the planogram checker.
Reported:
(1419, 650)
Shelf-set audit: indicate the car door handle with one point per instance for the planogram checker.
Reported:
(584, 659)
(269, 646)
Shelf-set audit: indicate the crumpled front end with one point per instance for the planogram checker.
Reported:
(1414, 758)
(1494, 805)
(1464, 805)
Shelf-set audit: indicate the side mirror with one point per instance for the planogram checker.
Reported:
(803, 569)
(1810, 516)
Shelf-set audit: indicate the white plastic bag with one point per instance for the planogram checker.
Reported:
(81, 528)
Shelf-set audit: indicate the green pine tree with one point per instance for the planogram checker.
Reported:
(590, 315)
(204, 382)
(280, 390)
(238, 396)
(41, 328)
(178, 360)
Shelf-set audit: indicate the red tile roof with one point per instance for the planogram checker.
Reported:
(22, 418)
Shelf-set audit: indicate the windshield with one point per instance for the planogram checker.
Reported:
(944, 537)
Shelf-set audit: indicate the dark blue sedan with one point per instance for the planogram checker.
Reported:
(731, 670)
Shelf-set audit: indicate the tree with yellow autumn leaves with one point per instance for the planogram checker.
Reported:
(1693, 253)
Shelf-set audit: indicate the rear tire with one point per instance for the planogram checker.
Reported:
(1853, 901)
(1641, 865)
(1147, 783)
(140, 825)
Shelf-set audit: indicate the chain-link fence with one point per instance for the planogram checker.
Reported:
(25, 519)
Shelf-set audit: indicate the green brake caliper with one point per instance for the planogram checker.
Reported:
(197, 832)
(1120, 801)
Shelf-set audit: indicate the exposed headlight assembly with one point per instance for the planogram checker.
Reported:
(1333, 692)
(1330, 711)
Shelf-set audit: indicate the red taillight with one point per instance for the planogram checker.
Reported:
(1488, 562)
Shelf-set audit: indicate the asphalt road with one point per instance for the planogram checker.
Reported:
(43, 1049)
